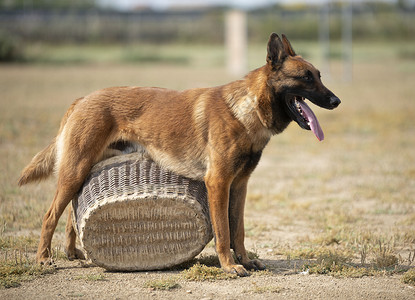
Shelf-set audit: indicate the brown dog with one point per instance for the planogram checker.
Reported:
(212, 134)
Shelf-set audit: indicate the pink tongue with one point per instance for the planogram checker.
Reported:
(314, 124)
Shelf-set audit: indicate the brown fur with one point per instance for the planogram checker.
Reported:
(212, 134)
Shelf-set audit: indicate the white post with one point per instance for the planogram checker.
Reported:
(325, 37)
(236, 42)
(347, 12)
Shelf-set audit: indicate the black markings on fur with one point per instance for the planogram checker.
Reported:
(247, 163)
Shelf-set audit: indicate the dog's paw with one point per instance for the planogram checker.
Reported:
(74, 254)
(236, 269)
(254, 264)
(45, 261)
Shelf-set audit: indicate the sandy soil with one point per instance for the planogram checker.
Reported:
(284, 282)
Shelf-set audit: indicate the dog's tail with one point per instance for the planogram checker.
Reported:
(41, 166)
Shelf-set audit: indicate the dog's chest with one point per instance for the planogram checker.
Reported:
(259, 139)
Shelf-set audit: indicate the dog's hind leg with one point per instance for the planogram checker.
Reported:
(70, 239)
(79, 145)
(70, 178)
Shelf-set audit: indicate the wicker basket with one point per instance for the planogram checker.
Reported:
(131, 214)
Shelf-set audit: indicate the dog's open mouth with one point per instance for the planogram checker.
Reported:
(304, 116)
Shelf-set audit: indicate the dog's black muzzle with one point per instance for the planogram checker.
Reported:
(327, 100)
(334, 102)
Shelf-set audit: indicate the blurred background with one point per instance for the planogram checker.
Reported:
(144, 31)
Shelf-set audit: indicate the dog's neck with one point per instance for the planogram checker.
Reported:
(258, 106)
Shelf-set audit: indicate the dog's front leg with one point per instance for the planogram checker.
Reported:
(218, 187)
(236, 222)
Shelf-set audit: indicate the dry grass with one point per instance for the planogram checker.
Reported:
(162, 284)
(15, 270)
(17, 263)
(92, 277)
(409, 277)
(199, 272)
(258, 289)
(351, 195)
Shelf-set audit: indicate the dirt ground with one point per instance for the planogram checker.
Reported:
(359, 182)
(65, 284)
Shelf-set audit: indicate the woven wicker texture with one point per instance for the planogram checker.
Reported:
(131, 214)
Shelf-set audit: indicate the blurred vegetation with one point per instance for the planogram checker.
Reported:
(26, 24)
(371, 21)
(47, 4)
(9, 48)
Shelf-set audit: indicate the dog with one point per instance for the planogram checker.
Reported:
(212, 134)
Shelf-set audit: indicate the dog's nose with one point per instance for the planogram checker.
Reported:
(334, 101)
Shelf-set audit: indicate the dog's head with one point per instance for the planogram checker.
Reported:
(295, 80)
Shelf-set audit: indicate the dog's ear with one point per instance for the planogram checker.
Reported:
(275, 51)
(287, 46)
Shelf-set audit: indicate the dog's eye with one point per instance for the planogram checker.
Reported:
(308, 76)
